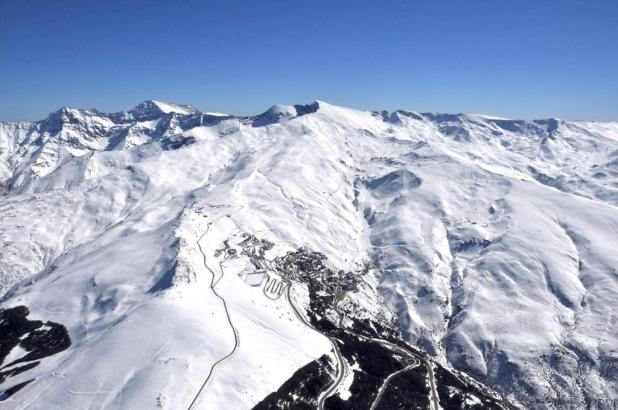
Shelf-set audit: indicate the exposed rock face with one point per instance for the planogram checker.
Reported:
(483, 248)
(33, 341)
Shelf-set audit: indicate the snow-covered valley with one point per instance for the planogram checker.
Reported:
(312, 256)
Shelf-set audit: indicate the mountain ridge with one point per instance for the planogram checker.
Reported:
(184, 109)
(485, 244)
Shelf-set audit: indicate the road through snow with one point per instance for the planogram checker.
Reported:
(433, 400)
(340, 362)
(227, 314)
(386, 381)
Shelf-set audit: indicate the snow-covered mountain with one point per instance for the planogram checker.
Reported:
(311, 256)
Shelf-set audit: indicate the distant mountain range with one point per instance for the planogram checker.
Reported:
(312, 256)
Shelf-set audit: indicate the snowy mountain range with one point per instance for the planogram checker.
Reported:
(312, 256)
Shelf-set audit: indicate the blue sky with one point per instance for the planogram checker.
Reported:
(520, 59)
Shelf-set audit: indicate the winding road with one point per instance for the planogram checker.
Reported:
(386, 381)
(433, 400)
(432, 384)
(340, 363)
(340, 373)
(227, 314)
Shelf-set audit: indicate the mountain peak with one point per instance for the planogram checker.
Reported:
(151, 109)
(66, 112)
(66, 115)
(311, 216)
(280, 112)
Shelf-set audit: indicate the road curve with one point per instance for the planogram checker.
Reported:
(433, 400)
(385, 384)
(340, 373)
(432, 384)
(340, 362)
(229, 320)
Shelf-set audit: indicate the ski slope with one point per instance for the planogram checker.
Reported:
(491, 246)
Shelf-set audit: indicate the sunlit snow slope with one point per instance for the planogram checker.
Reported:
(491, 244)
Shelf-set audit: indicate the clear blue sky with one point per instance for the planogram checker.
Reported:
(521, 59)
